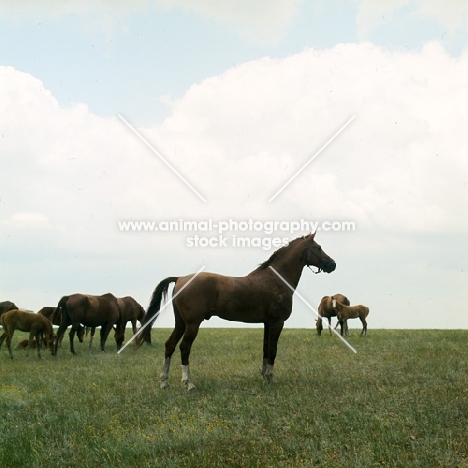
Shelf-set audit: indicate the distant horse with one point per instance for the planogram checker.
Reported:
(36, 324)
(326, 309)
(263, 296)
(6, 306)
(130, 311)
(48, 312)
(91, 311)
(345, 312)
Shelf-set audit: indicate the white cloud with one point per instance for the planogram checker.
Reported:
(399, 169)
(386, 168)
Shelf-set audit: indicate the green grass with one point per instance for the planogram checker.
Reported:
(401, 401)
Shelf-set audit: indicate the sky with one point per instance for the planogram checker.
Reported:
(340, 113)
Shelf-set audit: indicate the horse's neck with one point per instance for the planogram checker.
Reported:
(290, 268)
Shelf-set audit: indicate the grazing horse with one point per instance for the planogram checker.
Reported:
(263, 296)
(344, 312)
(6, 306)
(130, 311)
(91, 311)
(48, 312)
(326, 309)
(36, 324)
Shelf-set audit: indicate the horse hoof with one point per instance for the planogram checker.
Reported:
(164, 384)
(190, 387)
(269, 378)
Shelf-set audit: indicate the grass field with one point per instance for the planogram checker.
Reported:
(401, 401)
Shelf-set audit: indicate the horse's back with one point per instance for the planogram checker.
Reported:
(92, 310)
(24, 321)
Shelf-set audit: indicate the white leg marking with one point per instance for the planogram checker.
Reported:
(164, 376)
(186, 378)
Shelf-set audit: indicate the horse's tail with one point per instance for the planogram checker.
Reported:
(56, 316)
(159, 294)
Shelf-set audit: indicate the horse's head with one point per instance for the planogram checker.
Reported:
(317, 257)
(319, 326)
(80, 333)
(50, 342)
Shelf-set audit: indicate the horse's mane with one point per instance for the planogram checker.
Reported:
(277, 253)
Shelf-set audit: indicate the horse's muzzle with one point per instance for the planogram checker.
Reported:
(328, 265)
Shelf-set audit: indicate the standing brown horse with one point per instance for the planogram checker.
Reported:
(130, 311)
(263, 296)
(326, 309)
(36, 324)
(91, 311)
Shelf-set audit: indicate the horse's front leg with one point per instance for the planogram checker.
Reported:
(72, 335)
(274, 332)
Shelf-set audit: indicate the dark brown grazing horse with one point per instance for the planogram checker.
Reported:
(91, 311)
(37, 326)
(326, 309)
(48, 313)
(263, 296)
(6, 306)
(130, 311)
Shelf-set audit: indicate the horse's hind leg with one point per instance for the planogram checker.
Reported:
(38, 343)
(191, 331)
(364, 327)
(171, 344)
(8, 342)
(2, 338)
(105, 330)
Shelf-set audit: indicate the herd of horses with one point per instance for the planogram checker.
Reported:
(81, 311)
(263, 296)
